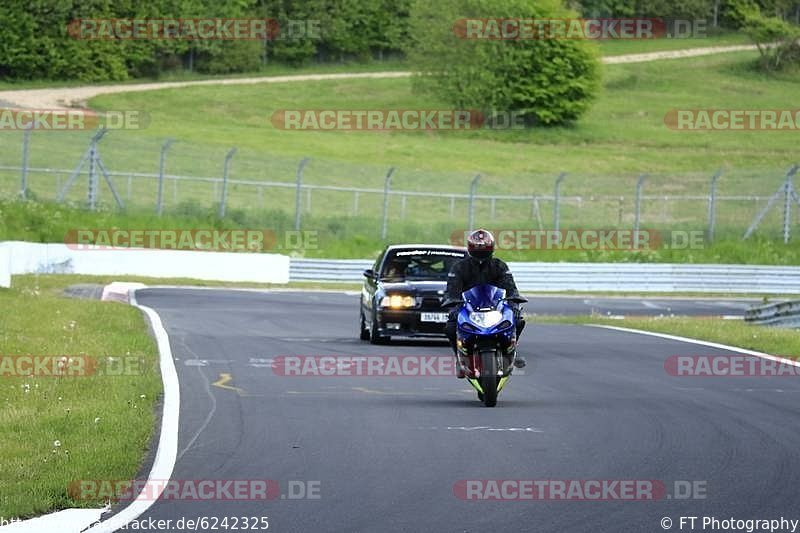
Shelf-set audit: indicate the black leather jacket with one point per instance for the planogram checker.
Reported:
(470, 272)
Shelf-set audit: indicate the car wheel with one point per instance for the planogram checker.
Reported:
(365, 334)
(374, 337)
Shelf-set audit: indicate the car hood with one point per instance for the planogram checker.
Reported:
(417, 287)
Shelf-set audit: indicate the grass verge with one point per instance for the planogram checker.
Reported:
(777, 341)
(340, 236)
(54, 284)
(56, 430)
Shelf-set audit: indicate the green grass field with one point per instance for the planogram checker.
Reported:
(643, 46)
(54, 429)
(622, 136)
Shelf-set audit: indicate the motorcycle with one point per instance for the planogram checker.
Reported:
(487, 339)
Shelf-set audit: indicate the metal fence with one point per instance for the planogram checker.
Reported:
(126, 170)
(598, 277)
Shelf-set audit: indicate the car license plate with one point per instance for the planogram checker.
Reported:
(434, 317)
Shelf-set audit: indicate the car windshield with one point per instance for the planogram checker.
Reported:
(420, 265)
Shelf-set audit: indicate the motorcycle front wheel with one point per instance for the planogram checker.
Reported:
(488, 379)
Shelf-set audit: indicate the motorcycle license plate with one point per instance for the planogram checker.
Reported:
(434, 317)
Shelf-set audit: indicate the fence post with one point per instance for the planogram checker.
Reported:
(225, 168)
(92, 195)
(712, 206)
(299, 185)
(452, 206)
(637, 219)
(355, 203)
(472, 189)
(162, 163)
(387, 183)
(787, 189)
(557, 202)
(130, 187)
(90, 152)
(536, 211)
(787, 208)
(26, 140)
(403, 206)
(493, 207)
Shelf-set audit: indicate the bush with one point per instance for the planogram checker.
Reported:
(645, 8)
(778, 41)
(229, 57)
(544, 81)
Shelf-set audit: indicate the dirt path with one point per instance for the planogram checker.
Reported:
(62, 97)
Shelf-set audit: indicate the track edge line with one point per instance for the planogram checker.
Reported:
(167, 451)
(699, 342)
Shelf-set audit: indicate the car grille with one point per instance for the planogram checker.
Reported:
(430, 327)
(431, 303)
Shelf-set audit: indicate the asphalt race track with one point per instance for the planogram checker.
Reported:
(593, 404)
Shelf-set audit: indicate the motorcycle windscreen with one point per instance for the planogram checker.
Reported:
(484, 297)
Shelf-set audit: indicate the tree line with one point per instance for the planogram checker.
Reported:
(35, 40)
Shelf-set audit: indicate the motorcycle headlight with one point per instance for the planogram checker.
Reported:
(486, 319)
(397, 301)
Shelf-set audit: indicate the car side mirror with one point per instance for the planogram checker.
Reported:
(369, 273)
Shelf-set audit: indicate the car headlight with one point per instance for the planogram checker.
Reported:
(398, 301)
(486, 319)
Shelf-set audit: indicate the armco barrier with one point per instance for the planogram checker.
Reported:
(595, 277)
(25, 258)
(784, 314)
(32, 258)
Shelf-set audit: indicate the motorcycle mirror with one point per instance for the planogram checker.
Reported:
(452, 303)
(516, 299)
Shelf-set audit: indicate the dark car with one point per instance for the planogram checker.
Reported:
(404, 290)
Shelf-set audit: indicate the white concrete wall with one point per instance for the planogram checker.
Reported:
(29, 258)
(5, 267)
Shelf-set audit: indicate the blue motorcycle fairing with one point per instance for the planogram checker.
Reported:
(482, 298)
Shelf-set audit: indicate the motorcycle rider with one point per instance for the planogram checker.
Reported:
(480, 268)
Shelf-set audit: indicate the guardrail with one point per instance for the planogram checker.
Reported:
(598, 277)
(784, 314)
